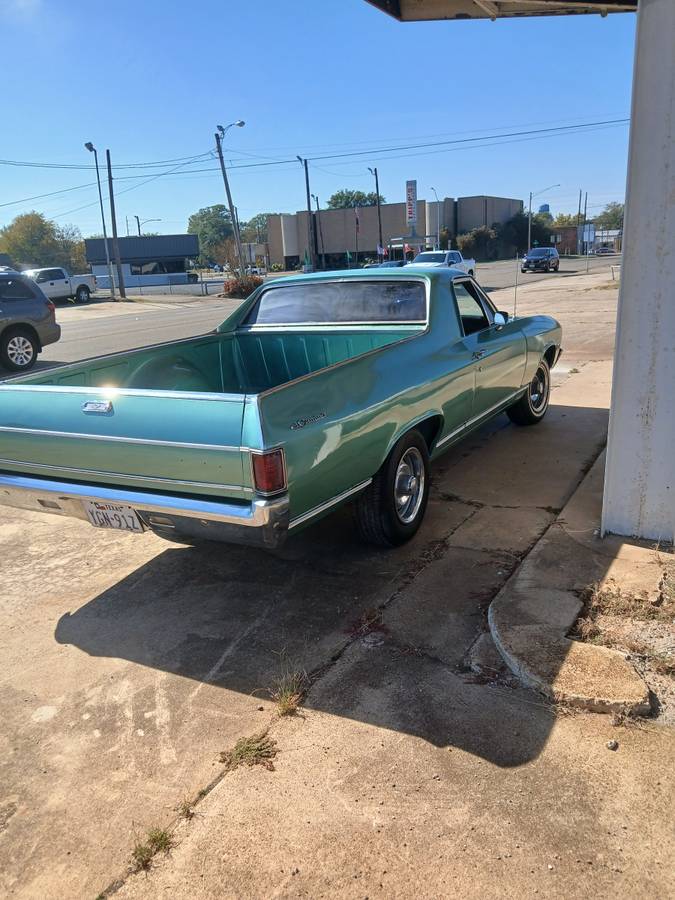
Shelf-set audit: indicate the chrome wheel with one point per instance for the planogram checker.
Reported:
(539, 388)
(20, 351)
(409, 484)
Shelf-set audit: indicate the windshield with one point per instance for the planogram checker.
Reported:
(377, 302)
(429, 257)
(535, 254)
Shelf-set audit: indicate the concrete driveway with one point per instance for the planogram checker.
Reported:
(130, 664)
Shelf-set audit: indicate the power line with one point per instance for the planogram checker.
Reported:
(77, 187)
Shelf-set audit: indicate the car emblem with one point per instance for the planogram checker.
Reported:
(300, 423)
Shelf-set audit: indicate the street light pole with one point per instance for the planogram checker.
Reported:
(318, 219)
(529, 215)
(144, 222)
(90, 147)
(310, 230)
(116, 246)
(220, 134)
(438, 220)
(379, 212)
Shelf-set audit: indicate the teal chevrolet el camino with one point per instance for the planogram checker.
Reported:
(320, 389)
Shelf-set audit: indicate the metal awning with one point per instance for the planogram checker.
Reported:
(425, 10)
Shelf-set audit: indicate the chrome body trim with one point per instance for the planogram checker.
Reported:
(471, 422)
(122, 440)
(261, 522)
(110, 391)
(165, 482)
(323, 507)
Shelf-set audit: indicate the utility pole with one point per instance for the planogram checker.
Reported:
(235, 229)
(138, 225)
(379, 212)
(579, 222)
(318, 219)
(310, 217)
(529, 225)
(116, 246)
(90, 147)
(583, 233)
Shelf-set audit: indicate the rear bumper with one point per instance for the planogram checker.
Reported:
(49, 334)
(261, 523)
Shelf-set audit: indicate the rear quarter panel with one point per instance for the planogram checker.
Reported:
(541, 333)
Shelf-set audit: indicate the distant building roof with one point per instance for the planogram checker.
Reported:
(138, 249)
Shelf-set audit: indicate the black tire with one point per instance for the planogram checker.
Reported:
(82, 294)
(18, 349)
(532, 406)
(523, 271)
(380, 519)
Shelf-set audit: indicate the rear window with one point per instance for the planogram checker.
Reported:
(339, 303)
(15, 289)
(429, 258)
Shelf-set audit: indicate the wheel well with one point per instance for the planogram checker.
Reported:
(430, 429)
(12, 329)
(549, 356)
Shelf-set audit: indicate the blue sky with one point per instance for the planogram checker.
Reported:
(151, 78)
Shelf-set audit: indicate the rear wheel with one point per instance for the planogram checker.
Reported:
(532, 406)
(391, 509)
(82, 294)
(18, 350)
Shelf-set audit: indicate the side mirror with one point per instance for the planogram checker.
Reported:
(501, 318)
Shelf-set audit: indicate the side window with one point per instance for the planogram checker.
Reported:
(454, 256)
(471, 311)
(15, 289)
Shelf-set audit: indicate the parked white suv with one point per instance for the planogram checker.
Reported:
(57, 284)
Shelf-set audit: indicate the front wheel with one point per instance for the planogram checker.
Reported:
(82, 294)
(391, 509)
(532, 406)
(18, 350)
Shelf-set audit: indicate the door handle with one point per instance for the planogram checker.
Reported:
(478, 354)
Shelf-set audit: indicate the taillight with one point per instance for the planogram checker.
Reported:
(50, 306)
(269, 472)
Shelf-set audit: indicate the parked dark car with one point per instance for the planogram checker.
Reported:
(27, 322)
(541, 259)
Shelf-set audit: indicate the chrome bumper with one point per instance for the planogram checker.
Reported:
(261, 523)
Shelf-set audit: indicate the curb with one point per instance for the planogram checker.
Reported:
(532, 615)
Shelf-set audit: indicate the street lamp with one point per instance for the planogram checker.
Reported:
(379, 214)
(438, 220)
(220, 134)
(529, 215)
(144, 222)
(90, 147)
(318, 218)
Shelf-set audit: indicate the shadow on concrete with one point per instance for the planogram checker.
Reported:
(232, 616)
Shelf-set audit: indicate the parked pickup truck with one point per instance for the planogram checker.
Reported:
(317, 390)
(57, 284)
(448, 259)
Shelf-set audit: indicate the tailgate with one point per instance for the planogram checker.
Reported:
(156, 440)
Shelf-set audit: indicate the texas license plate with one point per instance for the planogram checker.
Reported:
(112, 515)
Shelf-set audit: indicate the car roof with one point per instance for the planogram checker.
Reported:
(403, 273)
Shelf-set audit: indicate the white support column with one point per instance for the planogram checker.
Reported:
(639, 497)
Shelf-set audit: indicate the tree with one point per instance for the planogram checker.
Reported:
(610, 217)
(212, 225)
(255, 230)
(564, 220)
(513, 234)
(30, 240)
(480, 243)
(33, 241)
(347, 198)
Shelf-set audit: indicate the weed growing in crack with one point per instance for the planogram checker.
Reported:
(257, 750)
(288, 692)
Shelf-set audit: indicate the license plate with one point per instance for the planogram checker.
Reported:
(112, 515)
